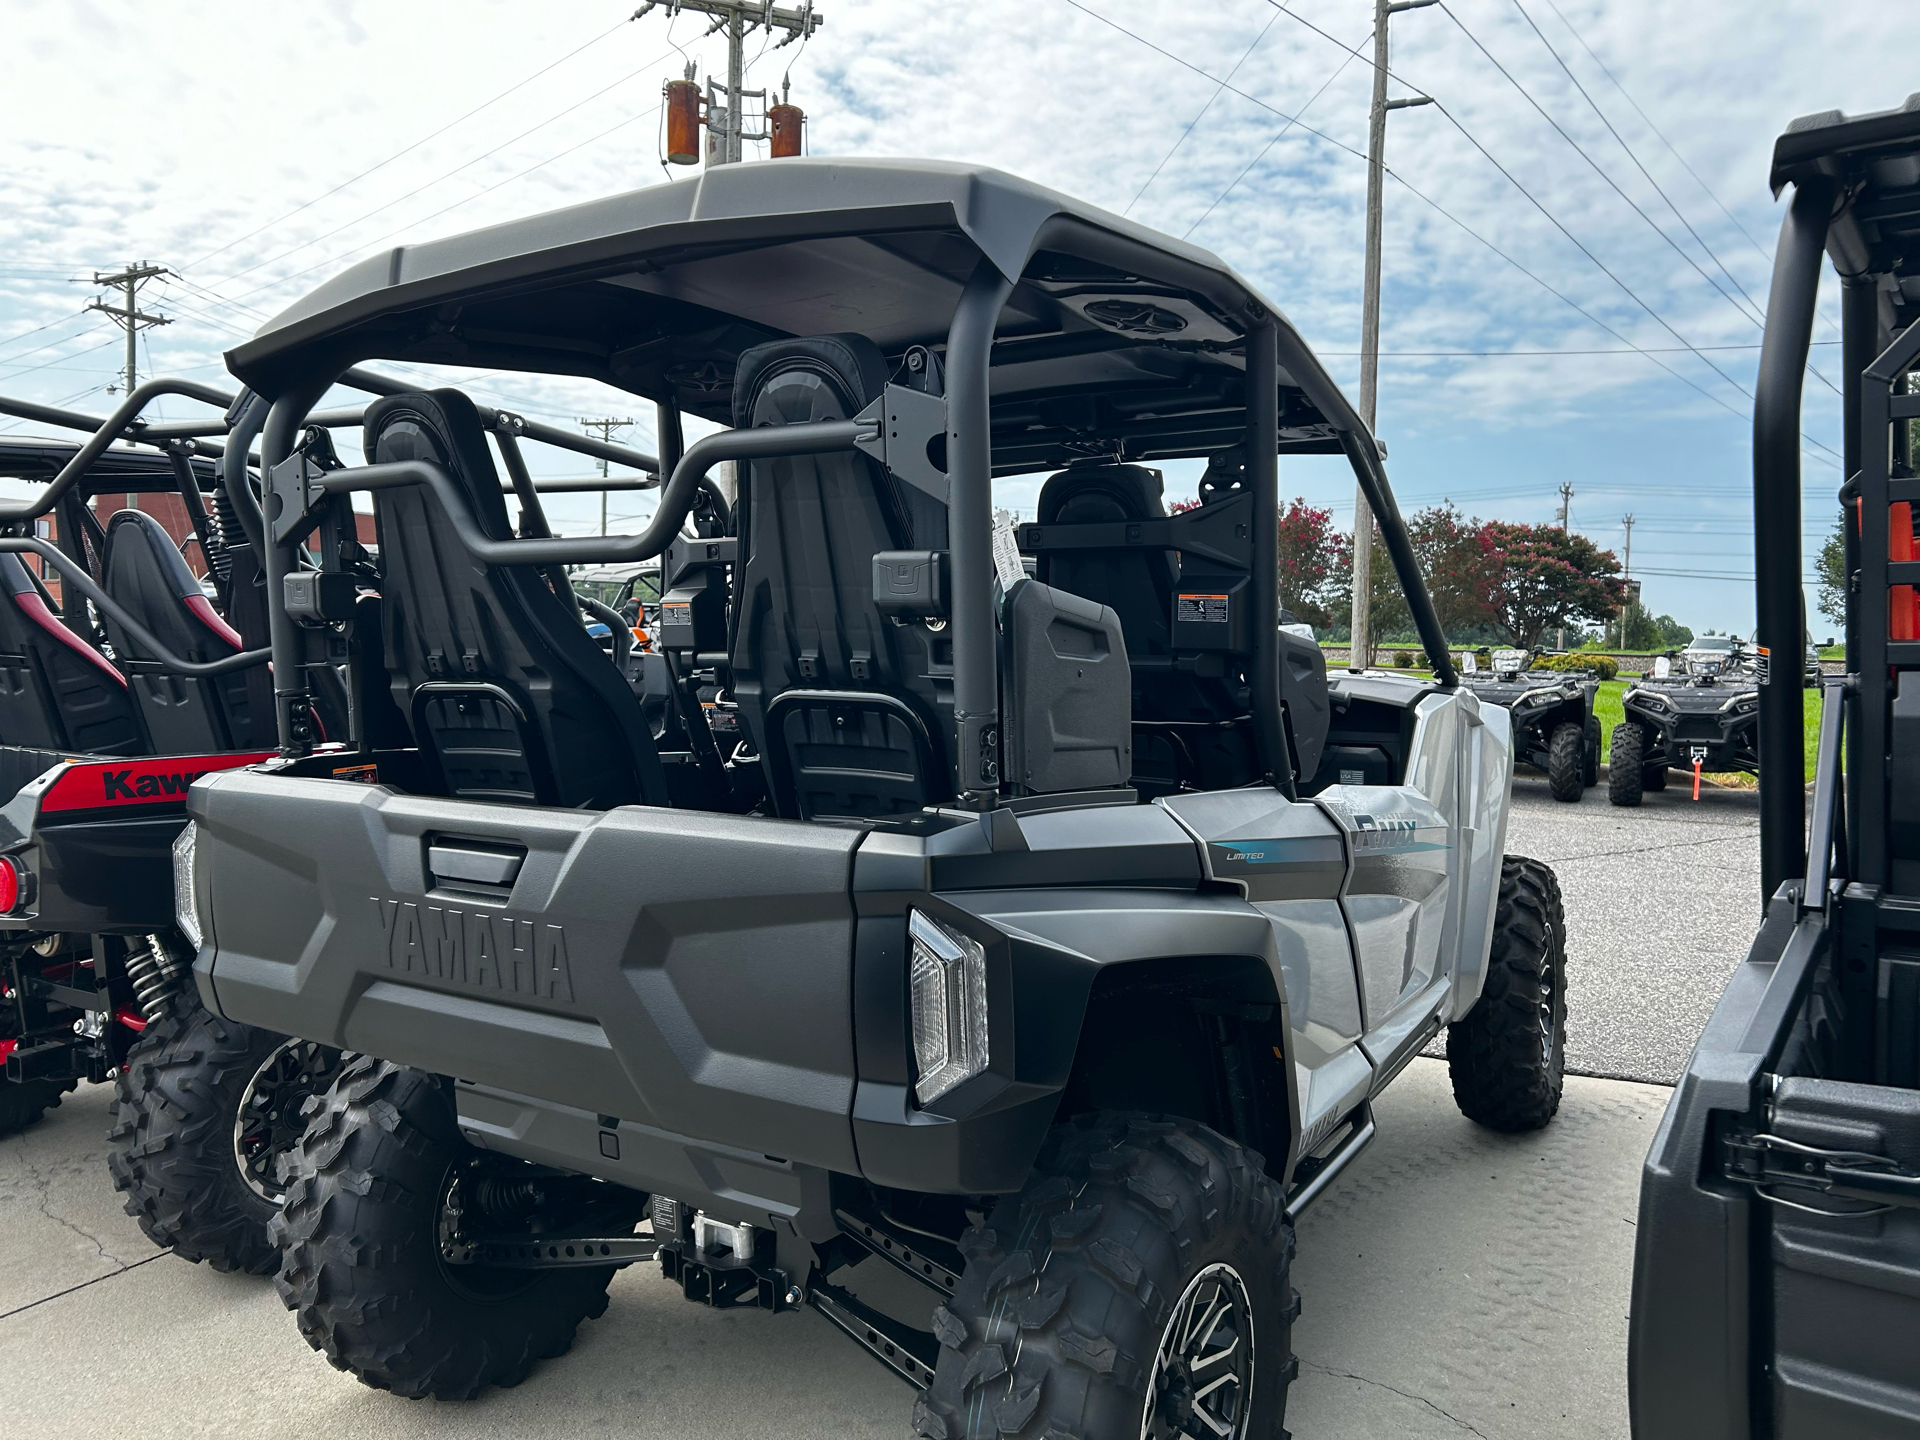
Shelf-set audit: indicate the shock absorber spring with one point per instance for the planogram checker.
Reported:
(508, 1199)
(154, 972)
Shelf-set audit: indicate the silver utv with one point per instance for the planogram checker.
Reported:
(973, 873)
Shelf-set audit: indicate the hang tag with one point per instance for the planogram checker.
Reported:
(1006, 554)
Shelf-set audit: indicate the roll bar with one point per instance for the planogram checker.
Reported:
(73, 573)
(1779, 599)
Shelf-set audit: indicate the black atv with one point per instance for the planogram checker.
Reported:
(1776, 1283)
(1699, 710)
(1554, 727)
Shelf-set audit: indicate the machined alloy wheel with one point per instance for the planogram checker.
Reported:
(1202, 1382)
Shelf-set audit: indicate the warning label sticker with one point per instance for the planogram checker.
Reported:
(1200, 609)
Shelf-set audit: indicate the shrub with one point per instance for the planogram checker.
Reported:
(1403, 659)
(1603, 667)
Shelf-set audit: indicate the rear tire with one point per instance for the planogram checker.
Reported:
(1565, 760)
(201, 1178)
(360, 1262)
(24, 1101)
(1507, 1055)
(1624, 770)
(1590, 762)
(1070, 1316)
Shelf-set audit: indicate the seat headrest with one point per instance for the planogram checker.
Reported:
(137, 527)
(852, 364)
(1127, 492)
(442, 426)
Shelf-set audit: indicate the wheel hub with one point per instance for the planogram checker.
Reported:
(268, 1122)
(1203, 1371)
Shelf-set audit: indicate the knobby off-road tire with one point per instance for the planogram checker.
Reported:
(24, 1101)
(1566, 760)
(174, 1148)
(1625, 769)
(1590, 760)
(360, 1262)
(1507, 1055)
(1138, 1240)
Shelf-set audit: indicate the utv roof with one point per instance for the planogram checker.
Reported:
(135, 470)
(1876, 160)
(1118, 340)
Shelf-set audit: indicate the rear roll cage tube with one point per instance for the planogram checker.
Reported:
(1779, 605)
(110, 430)
(75, 574)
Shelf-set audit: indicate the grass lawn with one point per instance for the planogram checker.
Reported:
(1607, 707)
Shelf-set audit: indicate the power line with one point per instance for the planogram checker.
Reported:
(1581, 151)
(1218, 91)
(1419, 194)
(1278, 136)
(411, 148)
(327, 235)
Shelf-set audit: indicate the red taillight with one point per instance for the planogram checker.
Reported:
(9, 885)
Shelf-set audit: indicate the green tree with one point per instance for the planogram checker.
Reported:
(1311, 551)
(1830, 567)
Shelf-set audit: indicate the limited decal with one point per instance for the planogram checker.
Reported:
(1291, 850)
(476, 948)
(111, 784)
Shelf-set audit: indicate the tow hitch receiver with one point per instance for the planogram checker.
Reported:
(1767, 1161)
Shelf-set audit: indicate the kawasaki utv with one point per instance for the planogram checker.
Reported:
(142, 665)
(1554, 727)
(1043, 936)
(1777, 1274)
(1697, 711)
(114, 696)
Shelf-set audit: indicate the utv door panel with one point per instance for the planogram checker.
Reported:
(1397, 894)
(690, 971)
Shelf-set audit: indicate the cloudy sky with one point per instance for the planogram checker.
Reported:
(255, 150)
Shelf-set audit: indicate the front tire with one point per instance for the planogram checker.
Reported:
(1142, 1276)
(360, 1262)
(1507, 1055)
(203, 1111)
(1590, 760)
(1566, 761)
(1625, 769)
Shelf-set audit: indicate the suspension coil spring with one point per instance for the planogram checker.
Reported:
(154, 972)
(224, 521)
(507, 1199)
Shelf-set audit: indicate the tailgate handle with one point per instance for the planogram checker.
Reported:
(465, 864)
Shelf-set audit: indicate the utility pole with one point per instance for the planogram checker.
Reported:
(726, 108)
(1361, 645)
(129, 318)
(1566, 511)
(606, 425)
(1627, 521)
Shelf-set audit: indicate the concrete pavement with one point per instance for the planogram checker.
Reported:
(1456, 1283)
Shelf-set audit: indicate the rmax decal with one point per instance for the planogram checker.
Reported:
(1392, 836)
(111, 784)
(479, 949)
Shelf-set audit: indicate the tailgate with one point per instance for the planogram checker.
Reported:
(675, 968)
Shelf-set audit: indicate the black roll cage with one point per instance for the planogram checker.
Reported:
(293, 485)
(181, 440)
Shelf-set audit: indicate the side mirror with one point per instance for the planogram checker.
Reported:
(1469, 663)
(1662, 668)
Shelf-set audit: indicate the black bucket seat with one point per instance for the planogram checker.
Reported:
(505, 693)
(850, 711)
(183, 714)
(56, 691)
